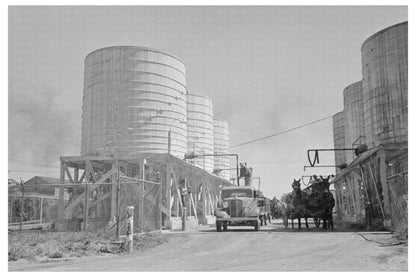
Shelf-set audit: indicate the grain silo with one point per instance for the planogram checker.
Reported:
(222, 146)
(384, 68)
(354, 118)
(200, 130)
(338, 127)
(132, 97)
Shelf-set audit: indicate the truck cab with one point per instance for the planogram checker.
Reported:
(238, 206)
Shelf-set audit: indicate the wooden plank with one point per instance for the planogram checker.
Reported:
(94, 204)
(383, 181)
(76, 175)
(82, 178)
(114, 191)
(61, 194)
(179, 198)
(86, 198)
(142, 168)
(168, 188)
(376, 191)
(193, 205)
(68, 174)
(211, 205)
(93, 186)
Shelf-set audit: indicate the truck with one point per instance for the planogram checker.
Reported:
(239, 206)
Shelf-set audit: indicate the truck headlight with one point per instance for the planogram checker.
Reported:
(225, 205)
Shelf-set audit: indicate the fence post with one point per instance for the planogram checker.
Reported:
(130, 231)
(118, 201)
(183, 218)
(11, 209)
(22, 205)
(86, 207)
(41, 204)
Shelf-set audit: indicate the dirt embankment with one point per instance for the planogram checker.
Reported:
(46, 246)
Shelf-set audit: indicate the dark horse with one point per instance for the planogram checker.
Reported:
(318, 204)
(322, 203)
(298, 205)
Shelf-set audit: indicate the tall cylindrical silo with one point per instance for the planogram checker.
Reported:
(338, 127)
(133, 96)
(384, 68)
(200, 130)
(354, 118)
(222, 146)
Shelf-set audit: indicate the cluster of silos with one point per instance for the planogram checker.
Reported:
(135, 99)
(133, 96)
(375, 109)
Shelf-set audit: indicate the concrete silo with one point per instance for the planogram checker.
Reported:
(200, 130)
(338, 127)
(132, 97)
(222, 146)
(354, 118)
(384, 68)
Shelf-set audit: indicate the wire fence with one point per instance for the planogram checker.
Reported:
(88, 207)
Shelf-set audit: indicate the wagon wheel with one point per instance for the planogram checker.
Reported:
(218, 225)
(317, 221)
(256, 225)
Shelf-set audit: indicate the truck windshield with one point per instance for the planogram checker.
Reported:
(237, 192)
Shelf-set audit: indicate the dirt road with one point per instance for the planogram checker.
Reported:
(242, 249)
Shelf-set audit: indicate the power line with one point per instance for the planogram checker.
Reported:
(33, 164)
(283, 132)
(32, 171)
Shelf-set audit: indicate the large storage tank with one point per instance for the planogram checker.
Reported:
(132, 97)
(384, 68)
(222, 146)
(354, 118)
(200, 130)
(338, 127)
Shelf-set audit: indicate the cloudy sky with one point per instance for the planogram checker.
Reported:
(267, 69)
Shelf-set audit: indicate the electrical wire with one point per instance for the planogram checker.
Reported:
(282, 132)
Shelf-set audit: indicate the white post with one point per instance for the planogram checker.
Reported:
(129, 234)
(11, 209)
(41, 204)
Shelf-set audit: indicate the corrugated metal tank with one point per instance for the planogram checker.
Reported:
(132, 97)
(338, 127)
(354, 118)
(200, 130)
(384, 68)
(222, 146)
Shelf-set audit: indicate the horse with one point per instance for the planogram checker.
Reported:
(321, 203)
(299, 203)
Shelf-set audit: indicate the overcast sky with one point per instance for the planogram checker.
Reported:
(267, 69)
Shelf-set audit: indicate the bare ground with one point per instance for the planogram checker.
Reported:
(242, 249)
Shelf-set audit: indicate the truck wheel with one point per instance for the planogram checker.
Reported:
(218, 224)
(256, 225)
(225, 226)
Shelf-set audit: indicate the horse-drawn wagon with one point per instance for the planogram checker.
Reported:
(315, 201)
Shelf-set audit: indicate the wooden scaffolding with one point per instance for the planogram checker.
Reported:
(161, 180)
